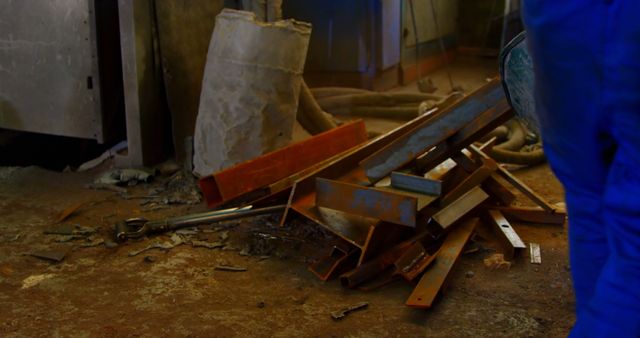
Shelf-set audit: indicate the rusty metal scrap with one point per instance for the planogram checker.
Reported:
(431, 282)
(508, 238)
(252, 175)
(368, 202)
(433, 131)
(391, 222)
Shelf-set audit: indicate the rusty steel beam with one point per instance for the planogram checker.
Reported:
(365, 233)
(460, 207)
(429, 134)
(413, 262)
(473, 180)
(381, 262)
(524, 189)
(339, 258)
(491, 185)
(483, 124)
(507, 236)
(368, 202)
(533, 215)
(416, 184)
(251, 176)
(429, 286)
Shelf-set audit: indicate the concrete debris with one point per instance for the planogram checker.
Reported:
(128, 177)
(168, 168)
(105, 156)
(176, 240)
(34, 280)
(341, 314)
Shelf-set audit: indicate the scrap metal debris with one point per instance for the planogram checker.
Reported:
(342, 313)
(534, 253)
(393, 211)
(230, 268)
(50, 255)
(176, 240)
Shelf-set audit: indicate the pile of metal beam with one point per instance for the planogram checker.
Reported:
(396, 218)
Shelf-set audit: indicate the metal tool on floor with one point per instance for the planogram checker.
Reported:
(140, 227)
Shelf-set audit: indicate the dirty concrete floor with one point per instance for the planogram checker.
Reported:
(103, 292)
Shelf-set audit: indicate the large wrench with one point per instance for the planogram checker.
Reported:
(139, 227)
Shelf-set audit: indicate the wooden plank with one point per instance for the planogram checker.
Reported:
(460, 207)
(505, 233)
(416, 183)
(363, 201)
(431, 282)
(429, 134)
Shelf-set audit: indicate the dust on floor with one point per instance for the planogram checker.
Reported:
(101, 291)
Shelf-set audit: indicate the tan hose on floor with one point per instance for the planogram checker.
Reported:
(312, 118)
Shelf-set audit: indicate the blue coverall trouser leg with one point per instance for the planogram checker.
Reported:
(586, 57)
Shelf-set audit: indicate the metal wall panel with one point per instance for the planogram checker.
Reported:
(48, 68)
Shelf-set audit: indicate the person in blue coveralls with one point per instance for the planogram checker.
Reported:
(586, 56)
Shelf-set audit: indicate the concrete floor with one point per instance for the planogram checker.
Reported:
(103, 292)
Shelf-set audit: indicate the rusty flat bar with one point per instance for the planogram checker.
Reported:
(460, 207)
(534, 253)
(416, 184)
(252, 175)
(504, 173)
(509, 239)
(409, 146)
(532, 215)
(367, 202)
(429, 286)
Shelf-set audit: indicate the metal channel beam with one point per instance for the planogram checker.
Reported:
(483, 124)
(368, 202)
(460, 207)
(504, 173)
(425, 292)
(416, 184)
(267, 169)
(404, 149)
(508, 237)
(473, 180)
(532, 215)
(302, 199)
(491, 185)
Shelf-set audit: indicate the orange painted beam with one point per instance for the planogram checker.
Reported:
(267, 169)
